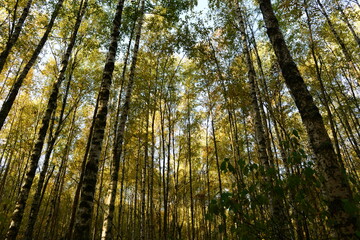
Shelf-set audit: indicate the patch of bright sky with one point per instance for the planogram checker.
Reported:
(202, 5)
(201, 9)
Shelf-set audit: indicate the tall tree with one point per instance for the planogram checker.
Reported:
(335, 182)
(9, 101)
(14, 35)
(281, 230)
(84, 212)
(36, 152)
(194, 120)
(118, 142)
(49, 112)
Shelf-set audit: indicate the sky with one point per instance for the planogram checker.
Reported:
(202, 5)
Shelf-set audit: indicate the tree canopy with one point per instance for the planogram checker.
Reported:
(179, 119)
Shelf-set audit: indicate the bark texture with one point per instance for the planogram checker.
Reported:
(275, 203)
(81, 177)
(64, 64)
(336, 186)
(118, 146)
(84, 213)
(35, 156)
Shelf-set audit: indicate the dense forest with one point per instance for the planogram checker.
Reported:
(179, 119)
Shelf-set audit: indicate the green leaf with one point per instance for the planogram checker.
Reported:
(286, 144)
(244, 192)
(252, 188)
(262, 199)
(223, 166)
(271, 171)
(209, 217)
(349, 207)
(231, 168)
(294, 181)
(221, 228)
(241, 163)
(279, 190)
(296, 133)
(246, 170)
(296, 157)
(309, 172)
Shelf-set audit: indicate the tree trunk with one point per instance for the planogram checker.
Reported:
(346, 20)
(121, 209)
(84, 212)
(280, 223)
(81, 177)
(143, 228)
(9, 101)
(192, 209)
(14, 35)
(36, 201)
(322, 87)
(99, 203)
(109, 213)
(134, 221)
(151, 181)
(36, 152)
(335, 182)
(343, 47)
(208, 165)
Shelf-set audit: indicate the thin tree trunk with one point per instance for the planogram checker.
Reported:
(84, 213)
(13, 25)
(281, 229)
(121, 209)
(335, 182)
(213, 131)
(143, 183)
(82, 172)
(122, 197)
(14, 35)
(9, 101)
(163, 155)
(346, 20)
(99, 204)
(59, 182)
(81, 177)
(109, 213)
(36, 201)
(323, 91)
(8, 159)
(144, 216)
(208, 165)
(36, 153)
(233, 127)
(192, 209)
(335, 33)
(151, 187)
(134, 222)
